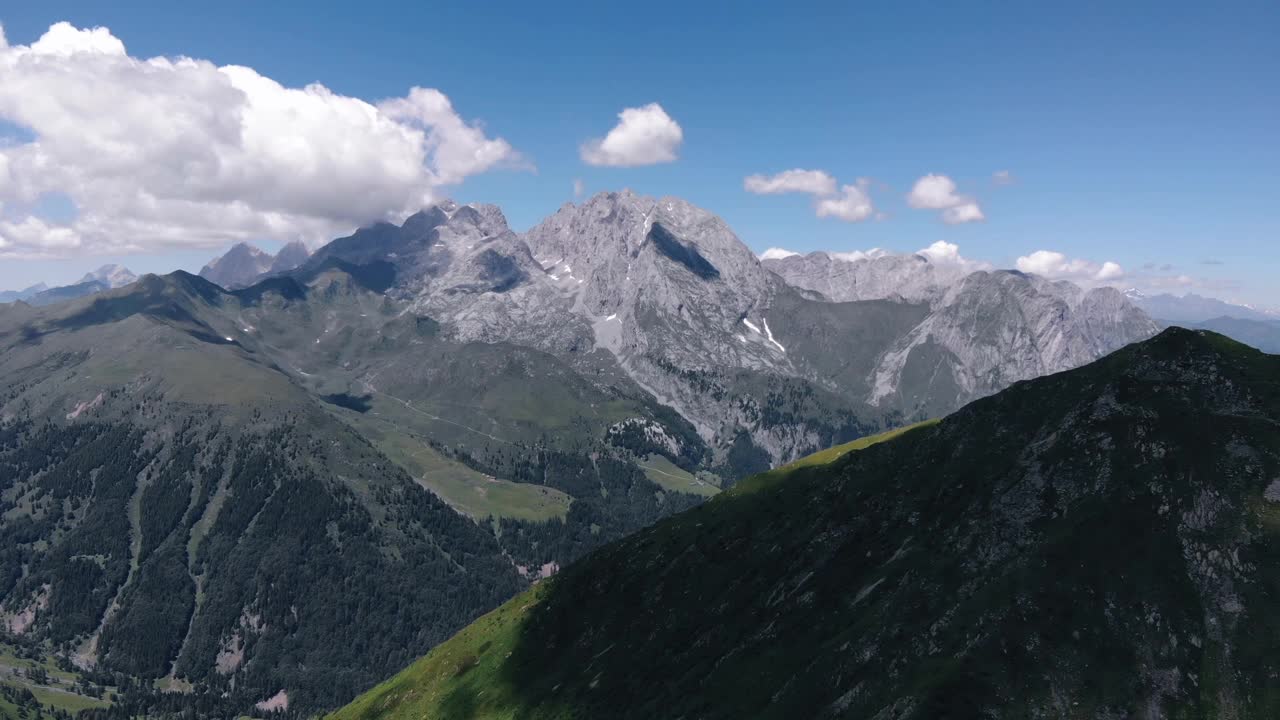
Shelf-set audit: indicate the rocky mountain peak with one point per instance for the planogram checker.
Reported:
(290, 256)
(670, 292)
(871, 275)
(239, 266)
(113, 276)
(424, 221)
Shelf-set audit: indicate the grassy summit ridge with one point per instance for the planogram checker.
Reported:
(464, 677)
(1097, 543)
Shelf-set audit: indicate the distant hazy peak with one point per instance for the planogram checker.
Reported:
(1193, 308)
(113, 275)
(239, 266)
(290, 257)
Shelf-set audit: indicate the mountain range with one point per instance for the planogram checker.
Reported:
(1193, 308)
(106, 277)
(1258, 328)
(437, 413)
(244, 264)
(8, 296)
(1096, 543)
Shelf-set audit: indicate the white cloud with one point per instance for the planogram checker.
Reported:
(776, 253)
(579, 189)
(64, 40)
(934, 192)
(856, 255)
(33, 238)
(814, 182)
(942, 252)
(1002, 177)
(178, 152)
(938, 192)
(454, 149)
(963, 213)
(1057, 266)
(643, 136)
(851, 205)
(1110, 271)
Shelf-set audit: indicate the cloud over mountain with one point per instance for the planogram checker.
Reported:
(1057, 266)
(643, 136)
(938, 192)
(172, 152)
(945, 253)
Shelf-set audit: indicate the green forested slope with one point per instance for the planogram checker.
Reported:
(1097, 543)
(292, 490)
(174, 508)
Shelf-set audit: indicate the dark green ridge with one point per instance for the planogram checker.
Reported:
(1097, 543)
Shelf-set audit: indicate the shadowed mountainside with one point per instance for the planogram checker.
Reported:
(1099, 543)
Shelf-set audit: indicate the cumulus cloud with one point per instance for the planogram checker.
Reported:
(938, 192)
(814, 182)
(934, 192)
(643, 136)
(179, 152)
(1110, 271)
(851, 205)
(1057, 266)
(963, 213)
(455, 150)
(945, 253)
(31, 231)
(776, 253)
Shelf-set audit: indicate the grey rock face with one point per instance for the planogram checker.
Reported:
(668, 295)
(290, 256)
(240, 266)
(912, 278)
(985, 331)
(675, 297)
(993, 329)
(674, 279)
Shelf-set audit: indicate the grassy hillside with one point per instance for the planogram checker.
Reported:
(466, 677)
(1098, 543)
(31, 683)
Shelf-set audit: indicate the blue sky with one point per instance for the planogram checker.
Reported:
(1145, 135)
